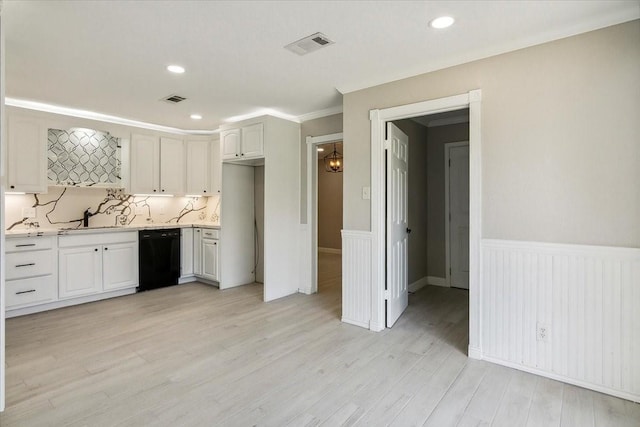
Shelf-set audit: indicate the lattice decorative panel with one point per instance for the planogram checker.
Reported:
(83, 157)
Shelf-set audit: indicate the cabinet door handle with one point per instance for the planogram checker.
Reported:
(96, 249)
(26, 265)
(25, 292)
(106, 249)
(25, 245)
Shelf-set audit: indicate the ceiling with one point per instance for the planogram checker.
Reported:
(111, 57)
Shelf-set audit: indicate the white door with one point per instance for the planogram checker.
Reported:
(80, 271)
(120, 265)
(172, 175)
(459, 215)
(397, 223)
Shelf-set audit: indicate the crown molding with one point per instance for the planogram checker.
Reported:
(91, 115)
(320, 113)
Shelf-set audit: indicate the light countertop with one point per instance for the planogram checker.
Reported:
(108, 229)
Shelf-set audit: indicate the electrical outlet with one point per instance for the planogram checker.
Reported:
(28, 212)
(542, 332)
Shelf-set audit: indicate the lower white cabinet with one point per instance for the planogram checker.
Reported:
(30, 271)
(197, 251)
(186, 252)
(118, 267)
(93, 263)
(206, 254)
(210, 259)
(80, 271)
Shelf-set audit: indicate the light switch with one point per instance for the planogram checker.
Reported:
(28, 212)
(366, 193)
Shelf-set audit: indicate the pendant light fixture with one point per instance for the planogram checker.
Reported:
(333, 161)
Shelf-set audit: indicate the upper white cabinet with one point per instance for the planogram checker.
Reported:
(243, 143)
(27, 154)
(199, 167)
(216, 167)
(172, 165)
(157, 166)
(145, 164)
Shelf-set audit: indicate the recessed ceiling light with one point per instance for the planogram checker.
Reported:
(442, 22)
(320, 149)
(196, 116)
(175, 69)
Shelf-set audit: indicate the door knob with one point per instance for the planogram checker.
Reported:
(408, 230)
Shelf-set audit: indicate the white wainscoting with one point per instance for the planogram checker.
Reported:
(587, 298)
(356, 276)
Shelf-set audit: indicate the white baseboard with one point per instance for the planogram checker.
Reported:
(601, 389)
(356, 323)
(186, 279)
(474, 353)
(330, 251)
(68, 302)
(427, 280)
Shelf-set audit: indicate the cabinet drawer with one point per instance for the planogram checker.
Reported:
(90, 239)
(28, 243)
(210, 234)
(19, 265)
(31, 291)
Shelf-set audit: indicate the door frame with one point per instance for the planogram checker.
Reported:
(378, 118)
(312, 201)
(447, 234)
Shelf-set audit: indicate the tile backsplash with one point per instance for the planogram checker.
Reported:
(63, 207)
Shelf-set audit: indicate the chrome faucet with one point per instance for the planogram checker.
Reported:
(85, 217)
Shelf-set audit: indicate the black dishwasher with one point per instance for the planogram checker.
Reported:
(159, 258)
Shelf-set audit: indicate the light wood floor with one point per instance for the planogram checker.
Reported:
(195, 356)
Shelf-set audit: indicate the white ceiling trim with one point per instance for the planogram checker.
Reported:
(509, 45)
(91, 115)
(320, 113)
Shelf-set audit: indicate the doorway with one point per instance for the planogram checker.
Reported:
(315, 164)
(418, 205)
(379, 120)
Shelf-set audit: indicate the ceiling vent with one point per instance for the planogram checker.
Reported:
(309, 44)
(174, 99)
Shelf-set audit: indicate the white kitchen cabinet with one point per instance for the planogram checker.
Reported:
(119, 265)
(243, 143)
(145, 164)
(198, 153)
(172, 166)
(186, 252)
(230, 144)
(210, 259)
(94, 263)
(197, 251)
(27, 154)
(216, 167)
(157, 165)
(30, 271)
(80, 271)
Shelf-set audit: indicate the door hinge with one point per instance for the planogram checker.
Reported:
(387, 144)
(449, 271)
(386, 294)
